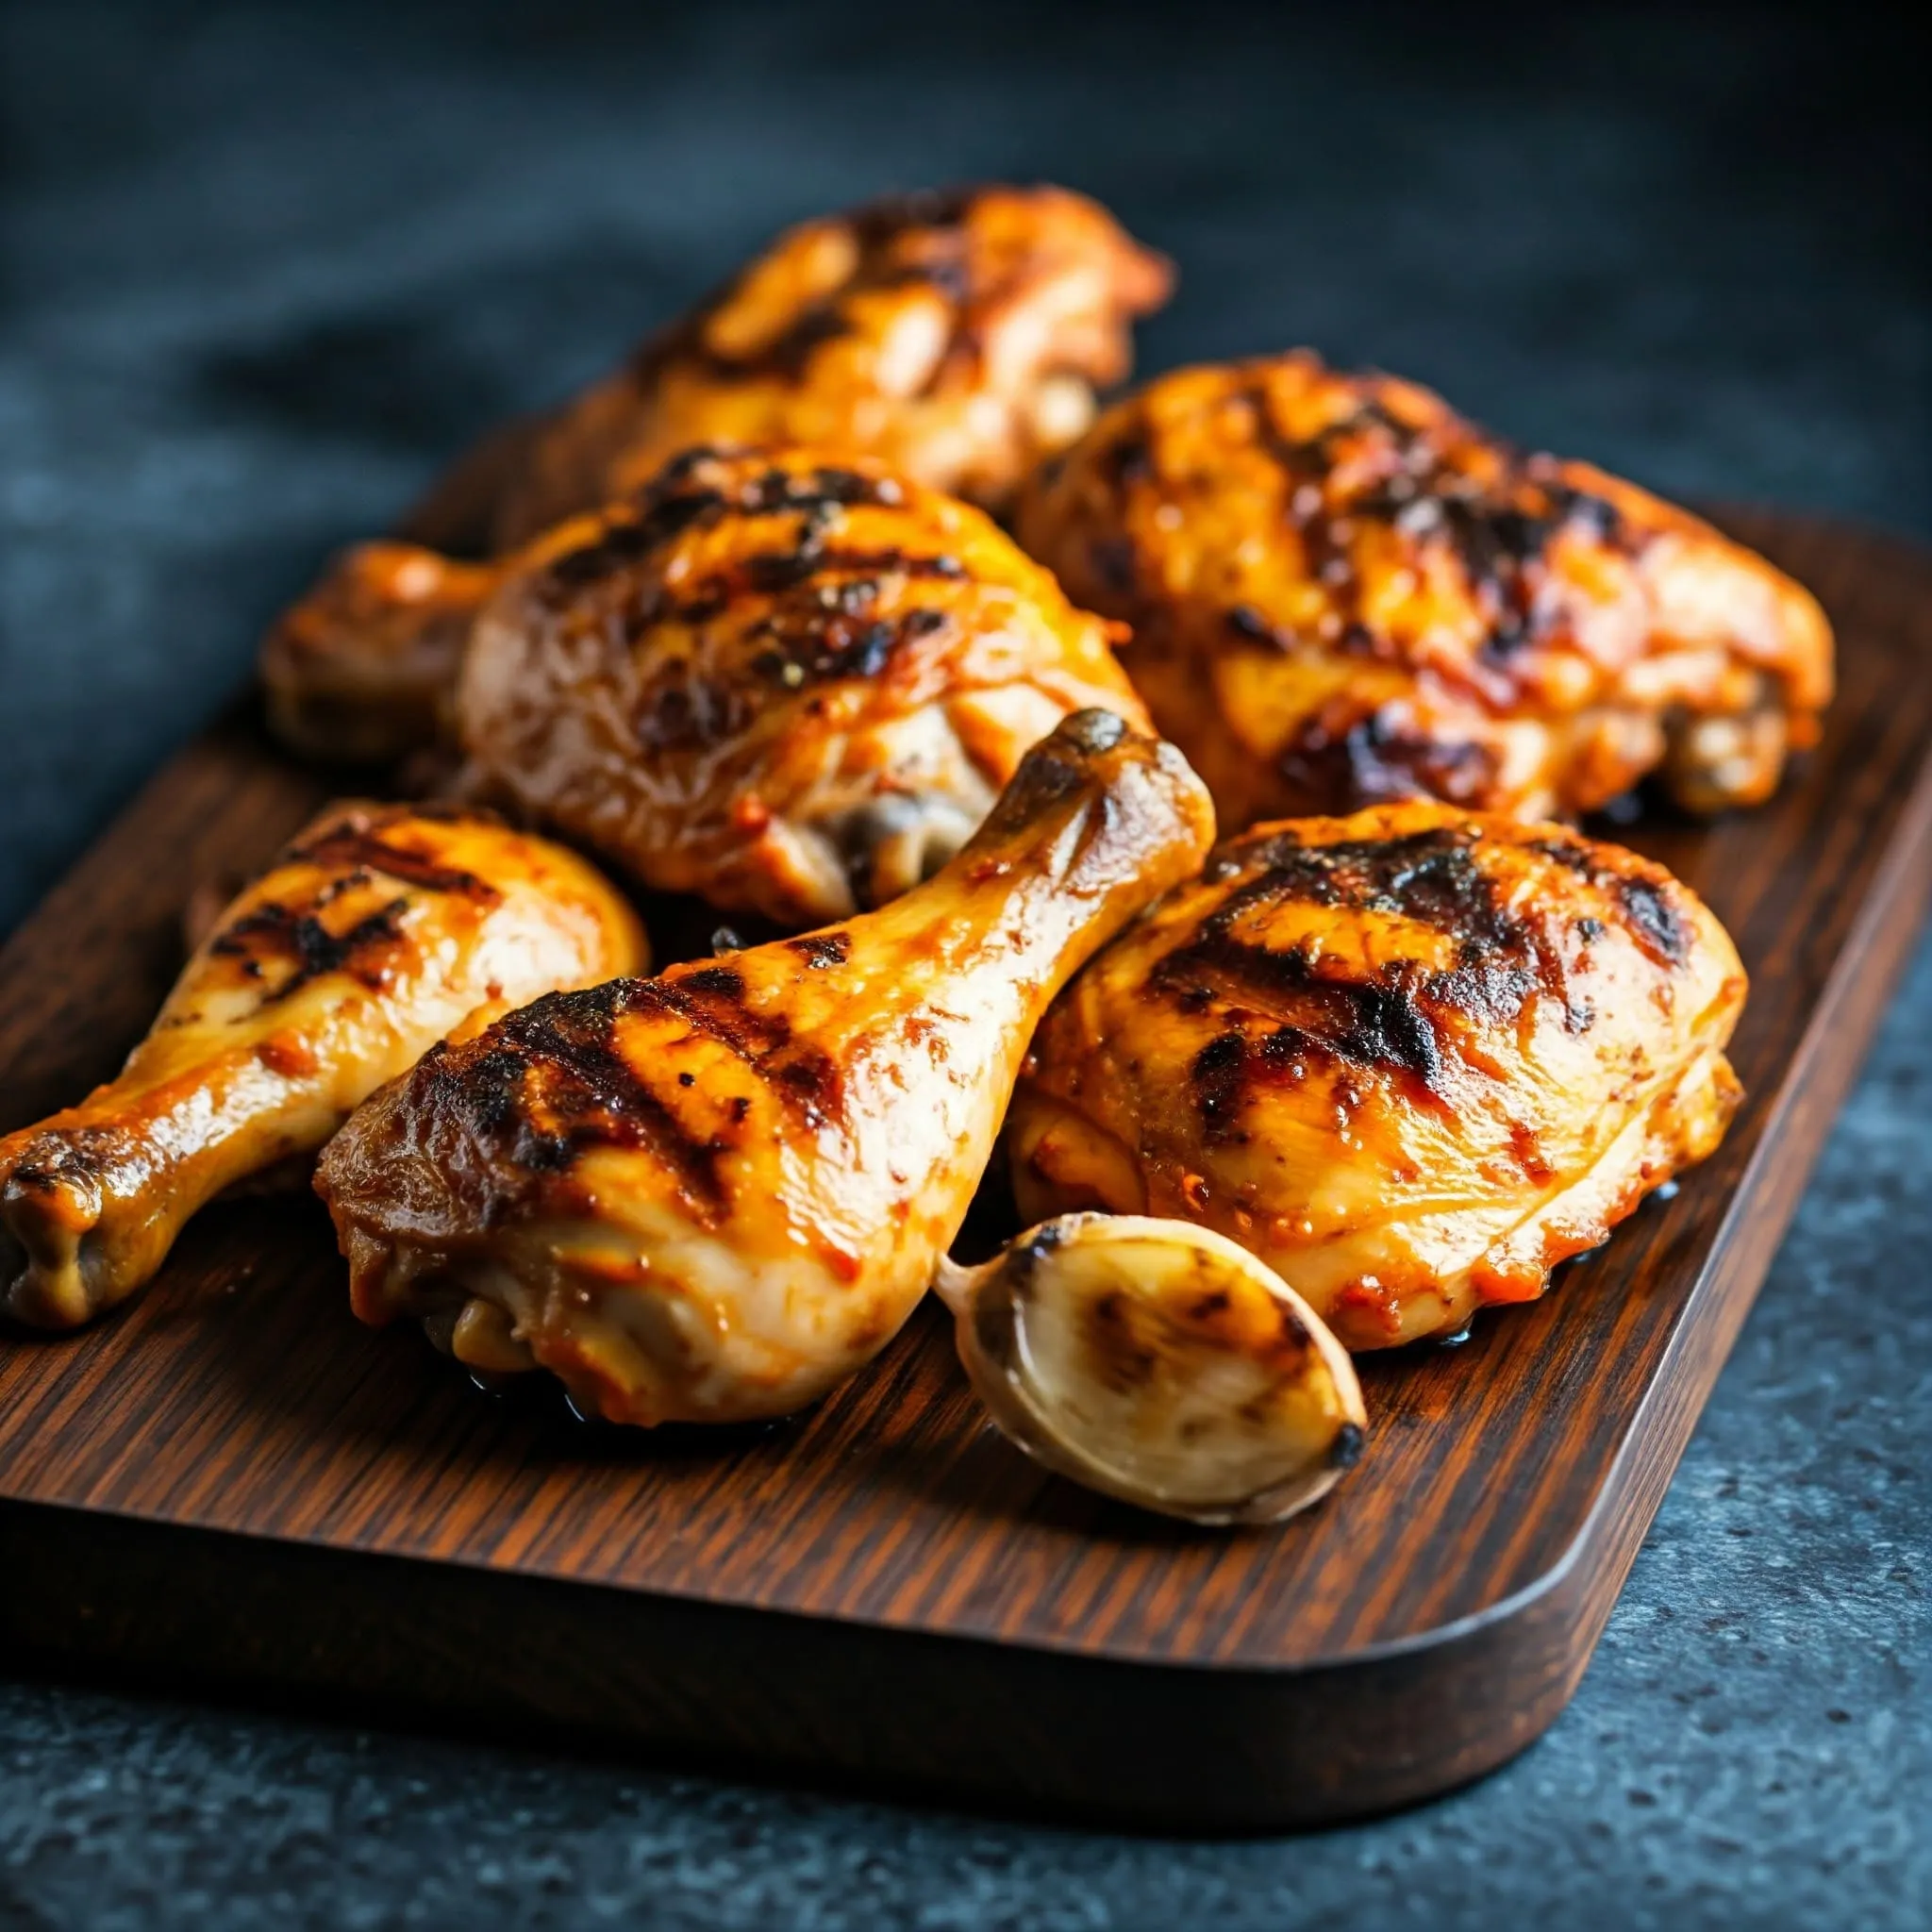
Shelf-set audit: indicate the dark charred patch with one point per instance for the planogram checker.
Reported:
(821, 950)
(357, 845)
(1056, 768)
(1217, 1079)
(700, 487)
(1381, 1024)
(1654, 921)
(1648, 905)
(278, 935)
(1246, 621)
(717, 982)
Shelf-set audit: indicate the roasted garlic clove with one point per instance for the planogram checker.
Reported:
(1160, 1364)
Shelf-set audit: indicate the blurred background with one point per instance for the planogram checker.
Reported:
(265, 268)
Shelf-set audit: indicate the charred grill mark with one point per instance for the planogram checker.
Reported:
(832, 644)
(876, 227)
(1287, 1005)
(722, 982)
(1382, 1024)
(1650, 911)
(1500, 527)
(821, 950)
(702, 487)
(710, 1001)
(552, 1084)
(1431, 876)
(276, 933)
(357, 845)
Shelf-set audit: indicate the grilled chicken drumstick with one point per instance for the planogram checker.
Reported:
(1341, 593)
(1412, 1059)
(379, 929)
(710, 1196)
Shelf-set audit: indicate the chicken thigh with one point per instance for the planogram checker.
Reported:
(377, 931)
(1341, 593)
(958, 336)
(711, 1195)
(1412, 1059)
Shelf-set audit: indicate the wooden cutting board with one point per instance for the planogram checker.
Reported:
(234, 1483)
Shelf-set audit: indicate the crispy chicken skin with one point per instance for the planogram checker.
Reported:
(960, 336)
(1412, 1059)
(379, 929)
(1343, 593)
(711, 1195)
(790, 682)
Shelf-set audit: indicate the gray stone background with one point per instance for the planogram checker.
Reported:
(261, 269)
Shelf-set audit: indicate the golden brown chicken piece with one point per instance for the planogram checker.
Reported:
(711, 1195)
(379, 929)
(1342, 593)
(958, 336)
(787, 683)
(1412, 1059)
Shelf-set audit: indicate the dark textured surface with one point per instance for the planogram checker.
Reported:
(264, 271)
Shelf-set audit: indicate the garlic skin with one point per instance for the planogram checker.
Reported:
(1161, 1364)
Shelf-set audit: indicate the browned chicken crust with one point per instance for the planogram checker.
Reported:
(1412, 1059)
(960, 336)
(1341, 592)
(376, 932)
(791, 682)
(713, 1194)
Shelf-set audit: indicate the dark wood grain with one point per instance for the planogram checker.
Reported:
(233, 1481)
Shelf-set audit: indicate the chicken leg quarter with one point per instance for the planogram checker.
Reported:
(711, 1195)
(379, 929)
